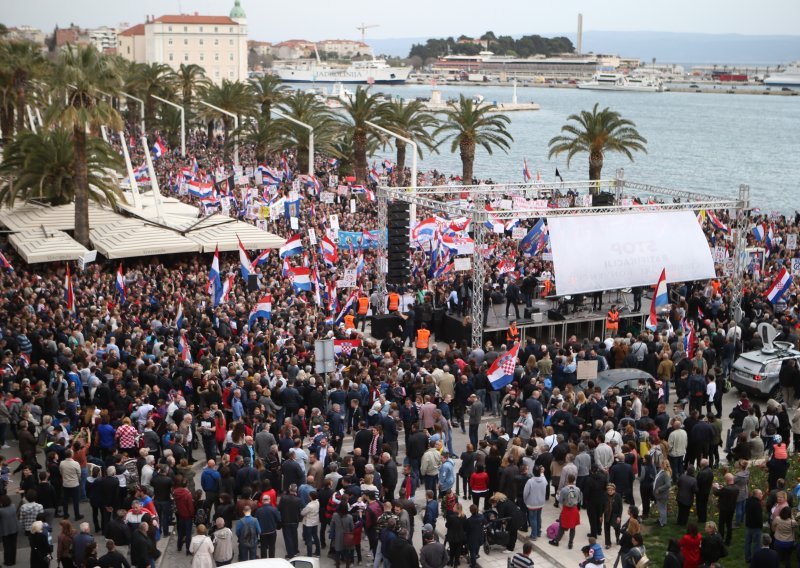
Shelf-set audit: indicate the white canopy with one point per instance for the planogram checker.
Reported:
(135, 237)
(39, 245)
(220, 231)
(60, 217)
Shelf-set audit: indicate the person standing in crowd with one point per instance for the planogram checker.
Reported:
(727, 496)
(202, 549)
(570, 498)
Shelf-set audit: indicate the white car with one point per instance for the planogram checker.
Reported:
(296, 562)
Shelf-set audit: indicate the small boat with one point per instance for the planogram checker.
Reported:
(620, 82)
(789, 77)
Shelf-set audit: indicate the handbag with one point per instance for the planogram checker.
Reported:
(643, 562)
(349, 539)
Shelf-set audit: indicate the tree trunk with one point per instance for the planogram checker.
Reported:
(149, 111)
(302, 159)
(467, 161)
(595, 170)
(81, 187)
(7, 122)
(210, 132)
(360, 165)
(401, 162)
(21, 110)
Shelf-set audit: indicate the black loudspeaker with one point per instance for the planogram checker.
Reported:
(602, 199)
(252, 283)
(382, 323)
(530, 311)
(398, 243)
(554, 315)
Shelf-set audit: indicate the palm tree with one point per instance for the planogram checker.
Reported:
(470, 125)
(260, 133)
(307, 108)
(147, 80)
(232, 96)
(410, 120)
(81, 72)
(360, 108)
(19, 62)
(188, 79)
(597, 132)
(42, 166)
(268, 91)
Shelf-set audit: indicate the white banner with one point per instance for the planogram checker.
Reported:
(630, 250)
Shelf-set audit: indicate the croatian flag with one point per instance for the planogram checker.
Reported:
(5, 264)
(501, 372)
(159, 149)
(69, 293)
(526, 174)
(506, 266)
(263, 309)
(425, 230)
(368, 236)
(261, 258)
(333, 162)
(459, 245)
(373, 175)
(141, 173)
(388, 166)
(179, 315)
(301, 279)
(269, 176)
(200, 189)
(227, 286)
(328, 248)
(345, 346)
(121, 285)
(184, 350)
(360, 264)
(780, 286)
(360, 189)
(770, 236)
(460, 224)
(347, 307)
(187, 173)
(287, 172)
(688, 340)
(244, 261)
(715, 222)
(759, 233)
(293, 246)
(529, 243)
(660, 299)
(214, 286)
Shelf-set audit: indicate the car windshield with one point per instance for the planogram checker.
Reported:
(748, 365)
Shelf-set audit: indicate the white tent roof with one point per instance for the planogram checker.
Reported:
(36, 246)
(61, 217)
(220, 231)
(134, 238)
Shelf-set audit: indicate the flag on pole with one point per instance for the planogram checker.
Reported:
(121, 284)
(346, 308)
(214, 286)
(502, 370)
(263, 309)
(660, 299)
(227, 286)
(244, 261)
(526, 174)
(159, 149)
(758, 232)
(69, 293)
(293, 246)
(5, 264)
(179, 315)
(184, 350)
(300, 277)
(329, 251)
(558, 175)
(780, 286)
(261, 258)
(529, 242)
(715, 222)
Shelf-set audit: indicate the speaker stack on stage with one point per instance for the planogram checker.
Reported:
(554, 315)
(602, 199)
(381, 323)
(534, 314)
(398, 243)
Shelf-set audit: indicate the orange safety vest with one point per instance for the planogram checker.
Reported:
(547, 287)
(512, 334)
(394, 301)
(349, 322)
(363, 305)
(423, 338)
(612, 321)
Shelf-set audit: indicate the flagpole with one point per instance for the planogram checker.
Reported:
(141, 108)
(137, 200)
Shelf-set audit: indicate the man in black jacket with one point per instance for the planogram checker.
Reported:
(388, 476)
(687, 488)
(112, 558)
(108, 493)
(143, 550)
(753, 522)
(594, 498)
(291, 472)
(289, 508)
(705, 479)
(621, 475)
(727, 495)
(416, 446)
(402, 552)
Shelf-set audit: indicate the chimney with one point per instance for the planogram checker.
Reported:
(580, 34)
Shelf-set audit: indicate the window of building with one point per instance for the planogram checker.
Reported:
(201, 41)
(169, 29)
(201, 29)
(216, 42)
(216, 74)
(216, 57)
(230, 30)
(185, 42)
(186, 57)
(230, 74)
(169, 41)
(230, 42)
(231, 57)
(216, 29)
(202, 57)
(129, 50)
(185, 29)
(170, 57)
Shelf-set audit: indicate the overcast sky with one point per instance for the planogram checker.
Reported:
(272, 20)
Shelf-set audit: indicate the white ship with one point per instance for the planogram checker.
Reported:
(373, 71)
(620, 82)
(789, 77)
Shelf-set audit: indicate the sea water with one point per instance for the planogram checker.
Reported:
(698, 142)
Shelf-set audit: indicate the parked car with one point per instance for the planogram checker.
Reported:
(626, 380)
(756, 372)
(296, 562)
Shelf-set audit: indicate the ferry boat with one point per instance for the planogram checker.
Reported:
(373, 71)
(789, 77)
(620, 82)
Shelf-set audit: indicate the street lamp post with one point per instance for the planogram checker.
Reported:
(183, 121)
(141, 108)
(235, 126)
(413, 207)
(310, 137)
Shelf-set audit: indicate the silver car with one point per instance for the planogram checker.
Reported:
(756, 372)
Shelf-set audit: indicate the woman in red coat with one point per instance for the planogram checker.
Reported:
(221, 431)
(570, 499)
(690, 547)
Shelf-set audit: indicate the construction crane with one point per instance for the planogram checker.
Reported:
(364, 27)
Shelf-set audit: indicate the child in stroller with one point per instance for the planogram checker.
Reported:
(494, 530)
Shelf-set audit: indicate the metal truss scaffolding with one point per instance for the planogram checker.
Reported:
(469, 201)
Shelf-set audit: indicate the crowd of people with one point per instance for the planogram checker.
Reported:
(168, 413)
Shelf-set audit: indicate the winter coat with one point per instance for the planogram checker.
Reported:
(341, 525)
(223, 545)
(661, 486)
(535, 492)
(203, 550)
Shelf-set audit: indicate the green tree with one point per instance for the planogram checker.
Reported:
(268, 91)
(147, 80)
(468, 125)
(188, 79)
(42, 166)
(412, 121)
(232, 96)
(307, 108)
(19, 63)
(80, 73)
(359, 109)
(261, 134)
(597, 132)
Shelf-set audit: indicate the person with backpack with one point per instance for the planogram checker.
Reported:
(248, 532)
(570, 498)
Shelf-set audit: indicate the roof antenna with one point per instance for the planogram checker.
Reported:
(768, 335)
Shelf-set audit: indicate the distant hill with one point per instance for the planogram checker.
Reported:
(666, 47)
